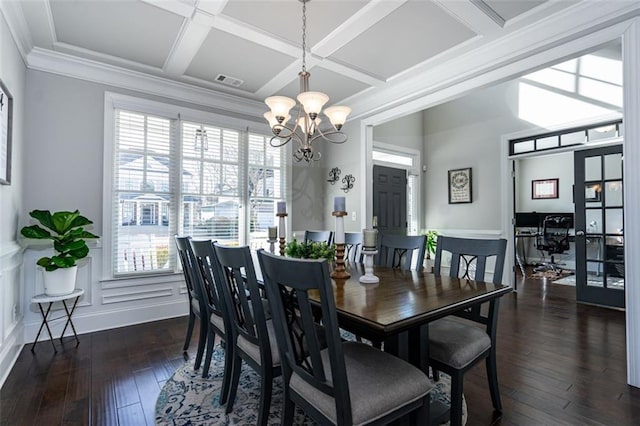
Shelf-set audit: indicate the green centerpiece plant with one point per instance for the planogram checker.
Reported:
(432, 242)
(66, 230)
(310, 250)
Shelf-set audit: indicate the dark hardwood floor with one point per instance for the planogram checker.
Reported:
(559, 364)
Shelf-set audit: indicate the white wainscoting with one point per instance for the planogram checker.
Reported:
(105, 304)
(11, 310)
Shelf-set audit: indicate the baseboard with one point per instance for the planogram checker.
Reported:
(98, 321)
(11, 348)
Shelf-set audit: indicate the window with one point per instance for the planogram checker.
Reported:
(169, 175)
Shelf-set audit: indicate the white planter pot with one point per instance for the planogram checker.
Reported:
(60, 282)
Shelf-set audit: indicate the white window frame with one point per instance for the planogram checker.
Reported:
(113, 101)
(413, 191)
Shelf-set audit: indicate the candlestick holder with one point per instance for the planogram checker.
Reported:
(272, 246)
(368, 277)
(339, 272)
(281, 231)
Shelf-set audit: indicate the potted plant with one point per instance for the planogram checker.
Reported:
(430, 247)
(66, 231)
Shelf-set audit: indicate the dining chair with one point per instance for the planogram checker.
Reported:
(457, 345)
(396, 251)
(197, 307)
(353, 247)
(318, 236)
(253, 335)
(219, 321)
(348, 382)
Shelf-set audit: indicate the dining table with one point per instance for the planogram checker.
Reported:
(396, 311)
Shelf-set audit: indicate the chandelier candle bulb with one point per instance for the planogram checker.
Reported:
(281, 207)
(273, 232)
(369, 238)
(339, 204)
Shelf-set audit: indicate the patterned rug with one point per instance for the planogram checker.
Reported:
(188, 399)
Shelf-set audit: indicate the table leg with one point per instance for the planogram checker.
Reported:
(69, 321)
(44, 324)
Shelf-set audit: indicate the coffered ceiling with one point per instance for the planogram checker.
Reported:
(355, 46)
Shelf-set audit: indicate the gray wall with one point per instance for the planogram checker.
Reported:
(406, 132)
(12, 72)
(545, 167)
(466, 133)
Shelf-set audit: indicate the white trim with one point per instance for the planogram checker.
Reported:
(87, 70)
(416, 158)
(631, 150)
(13, 16)
(106, 320)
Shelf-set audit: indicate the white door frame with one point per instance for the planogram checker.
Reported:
(533, 58)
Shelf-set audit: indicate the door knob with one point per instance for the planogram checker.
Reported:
(579, 233)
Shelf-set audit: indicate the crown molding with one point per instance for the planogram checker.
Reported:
(570, 24)
(13, 16)
(88, 70)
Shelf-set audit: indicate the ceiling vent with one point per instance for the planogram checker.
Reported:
(229, 81)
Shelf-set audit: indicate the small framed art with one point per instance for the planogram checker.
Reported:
(544, 188)
(460, 186)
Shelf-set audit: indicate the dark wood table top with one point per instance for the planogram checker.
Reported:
(404, 299)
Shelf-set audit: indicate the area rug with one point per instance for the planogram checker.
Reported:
(593, 281)
(188, 399)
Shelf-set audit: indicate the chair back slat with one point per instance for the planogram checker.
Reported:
(353, 247)
(396, 251)
(182, 244)
(464, 253)
(319, 236)
(242, 296)
(204, 261)
(289, 284)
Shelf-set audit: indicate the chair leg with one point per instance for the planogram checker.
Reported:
(211, 338)
(492, 375)
(436, 374)
(229, 356)
(287, 409)
(265, 395)
(456, 399)
(422, 413)
(192, 321)
(202, 341)
(236, 368)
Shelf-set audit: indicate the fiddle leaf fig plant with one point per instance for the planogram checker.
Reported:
(66, 231)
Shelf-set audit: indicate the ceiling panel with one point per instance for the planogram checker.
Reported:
(223, 53)
(410, 35)
(512, 8)
(131, 30)
(337, 86)
(284, 17)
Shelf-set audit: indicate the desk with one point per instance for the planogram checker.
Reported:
(402, 302)
(41, 299)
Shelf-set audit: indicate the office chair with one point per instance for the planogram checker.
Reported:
(554, 239)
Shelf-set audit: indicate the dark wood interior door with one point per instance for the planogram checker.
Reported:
(390, 199)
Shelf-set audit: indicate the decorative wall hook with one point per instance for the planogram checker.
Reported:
(334, 175)
(348, 182)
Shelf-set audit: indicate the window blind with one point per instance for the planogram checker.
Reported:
(142, 200)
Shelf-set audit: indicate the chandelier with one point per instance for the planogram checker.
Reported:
(305, 129)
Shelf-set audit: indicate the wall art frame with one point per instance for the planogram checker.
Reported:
(460, 186)
(6, 123)
(543, 189)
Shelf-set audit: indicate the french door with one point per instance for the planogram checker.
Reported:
(599, 225)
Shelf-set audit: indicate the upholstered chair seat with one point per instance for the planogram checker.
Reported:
(456, 343)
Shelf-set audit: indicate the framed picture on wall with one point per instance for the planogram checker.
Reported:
(6, 118)
(460, 186)
(544, 188)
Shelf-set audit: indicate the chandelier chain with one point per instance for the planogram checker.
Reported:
(304, 35)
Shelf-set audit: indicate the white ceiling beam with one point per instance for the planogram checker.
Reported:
(361, 21)
(283, 78)
(352, 73)
(186, 46)
(174, 6)
(212, 7)
(475, 14)
(12, 12)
